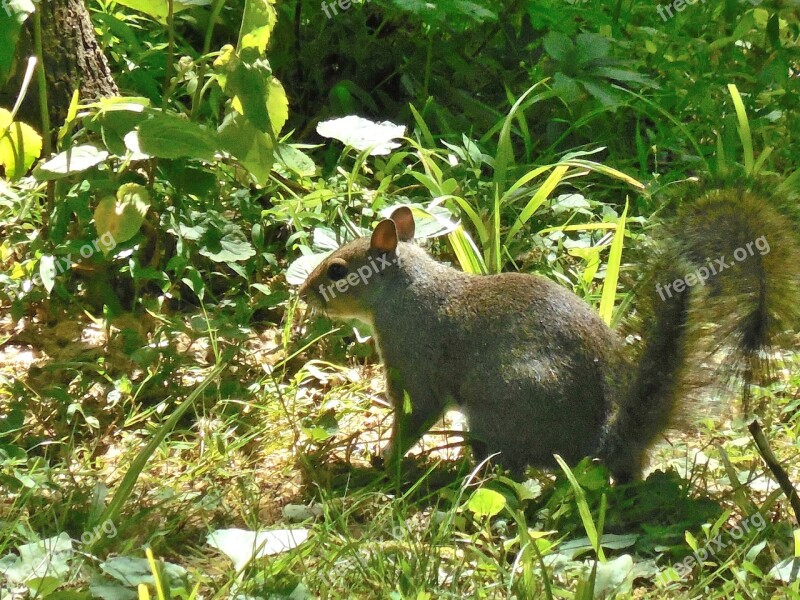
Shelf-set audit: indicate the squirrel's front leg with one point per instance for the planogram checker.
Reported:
(415, 411)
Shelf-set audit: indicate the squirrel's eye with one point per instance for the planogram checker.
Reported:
(337, 271)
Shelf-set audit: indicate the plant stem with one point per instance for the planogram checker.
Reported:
(201, 72)
(428, 58)
(43, 109)
(777, 469)
(170, 50)
(47, 145)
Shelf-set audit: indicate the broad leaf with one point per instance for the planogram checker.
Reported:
(295, 160)
(229, 245)
(49, 557)
(486, 503)
(362, 133)
(47, 271)
(167, 135)
(19, 147)
(159, 9)
(248, 145)
(118, 120)
(136, 571)
(242, 546)
(121, 218)
(13, 15)
(277, 105)
(248, 84)
(257, 23)
(559, 46)
(74, 160)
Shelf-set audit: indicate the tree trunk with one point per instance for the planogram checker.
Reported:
(72, 60)
(72, 56)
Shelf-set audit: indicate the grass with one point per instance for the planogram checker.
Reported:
(289, 450)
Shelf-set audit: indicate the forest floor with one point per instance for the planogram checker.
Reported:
(291, 451)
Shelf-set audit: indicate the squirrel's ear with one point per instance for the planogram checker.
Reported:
(384, 238)
(404, 221)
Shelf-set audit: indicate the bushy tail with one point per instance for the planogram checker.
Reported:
(724, 289)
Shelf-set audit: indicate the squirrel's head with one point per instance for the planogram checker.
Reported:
(352, 279)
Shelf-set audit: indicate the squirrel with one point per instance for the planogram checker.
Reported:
(534, 369)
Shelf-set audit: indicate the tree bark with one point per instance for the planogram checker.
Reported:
(72, 60)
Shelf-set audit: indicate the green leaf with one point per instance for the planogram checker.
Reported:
(242, 545)
(122, 217)
(559, 46)
(612, 270)
(251, 147)
(505, 151)
(583, 508)
(74, 160)
(250, 84)
(743, 127)
(136, 571)
(295, 160)
(46, 558)
(117, 120)
(47, 271)
(258, 21)
(231, 246)
(43, 587)
(538, 198)
(20, 145)
(159, 9)
(11, 19)
(591, 46)
(277, 105)
(167, 135)
(467, 253)
(486, 503)
(566, 87)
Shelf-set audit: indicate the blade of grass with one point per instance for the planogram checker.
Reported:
(505, 151)
(609, 293)
(468, 255)
(605, 170)
(536, 201)
(137, 465)
(583, 509)
(743, 128)
(678, 124)
(423, 127)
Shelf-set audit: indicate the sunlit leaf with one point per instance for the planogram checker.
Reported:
(257, 23)
(169, 136)
(251, 147)
(486, 503)
(74, 160)
(362, 133)
(20, 146)
(121, 217)
(277, 105)
(242, 545)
